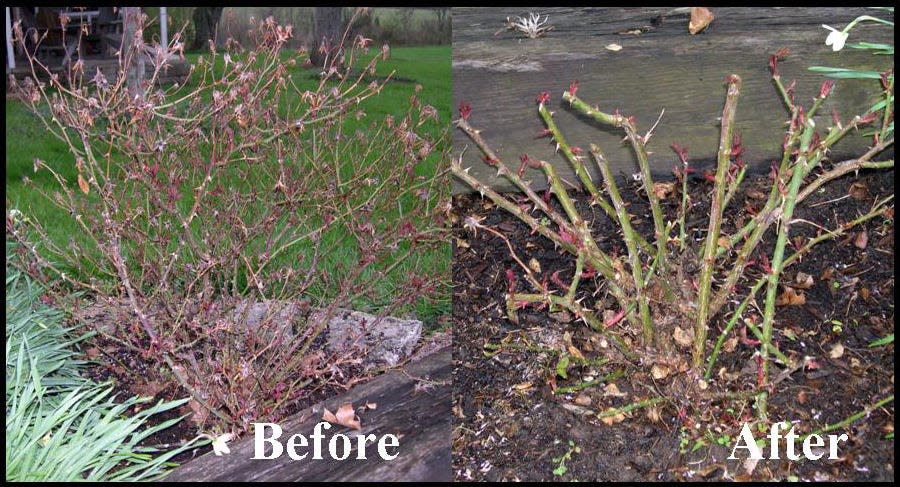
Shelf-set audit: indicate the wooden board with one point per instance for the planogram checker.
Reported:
(412, 402)
(664, 67)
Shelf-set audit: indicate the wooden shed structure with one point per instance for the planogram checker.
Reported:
(59, 36)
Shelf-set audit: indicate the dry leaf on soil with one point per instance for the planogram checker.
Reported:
(583, 400)
(664, 189)
(573, 351)
(683, 337)
(862, 239)
(200, 412)
(345, 416)
(524, 386)
(612, 419)
(660, 371)
(837, 351)
(730, 345)
(803, 281)
(859, 190)
(790, 297)
(613, 390)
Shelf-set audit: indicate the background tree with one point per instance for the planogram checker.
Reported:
(328, 29)
(206, 19)
(132, 41)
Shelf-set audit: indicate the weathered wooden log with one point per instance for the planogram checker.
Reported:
(413, 403)
(660, 66)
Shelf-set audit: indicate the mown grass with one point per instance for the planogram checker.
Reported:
(426, 66)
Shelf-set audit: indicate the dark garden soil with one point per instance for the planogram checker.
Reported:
(509, 424)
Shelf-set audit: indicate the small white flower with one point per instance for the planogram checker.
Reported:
(220, 446)
(836, 38)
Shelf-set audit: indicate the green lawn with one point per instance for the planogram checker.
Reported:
(426, 66)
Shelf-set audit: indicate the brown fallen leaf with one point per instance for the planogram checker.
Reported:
(610, 419)
(701, 17)
(862, 239)
(200, 413)
(573, 351)
(462, 243)
(583, 399)
(837, 351)
(457, 411)
(730, 345)
(534, 265)
(613, 390)
(345, 416)
(664, 189)
(83, 185)
(148, 389)
(859, 190)
(790, 297)
(683, 337)
(660, 371)
(523, 386)
(803, 281)
(756, 195)
(724, 242)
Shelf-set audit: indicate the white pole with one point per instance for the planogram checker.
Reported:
(10, 54)
(163, 28)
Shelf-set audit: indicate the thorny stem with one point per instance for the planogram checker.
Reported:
(586, 384)
(577, 162)
(509, 206)
(630, 407)
(877, 209)
(772, 211)
(630, 242)
(503, 170)
(707, 264)
(850, 419)
(177, 372)
(683, 211)
(801, 168)
(638, 145)
(785, 98)
(728, 327)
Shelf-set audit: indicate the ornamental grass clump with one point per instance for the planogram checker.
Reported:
(663, 295)
(59, 425)
(255, 182)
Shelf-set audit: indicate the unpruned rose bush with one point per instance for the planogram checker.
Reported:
(248, 183)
